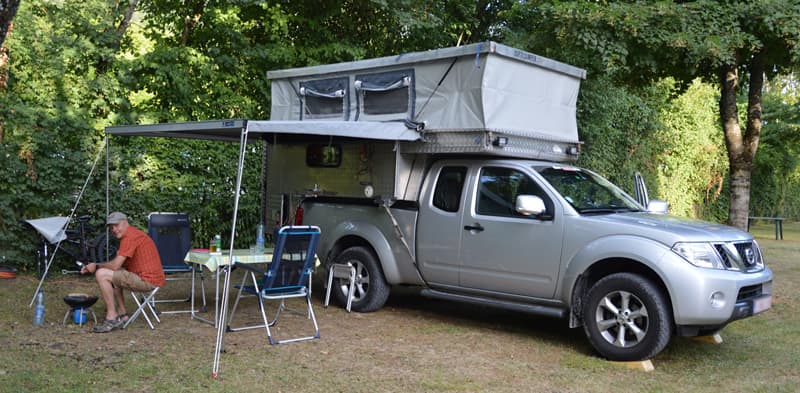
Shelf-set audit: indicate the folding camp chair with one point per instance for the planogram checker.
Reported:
(287, 276)
(171, 232)
(342, 272)
(146, 303)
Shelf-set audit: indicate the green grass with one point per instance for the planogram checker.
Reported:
(411, 345)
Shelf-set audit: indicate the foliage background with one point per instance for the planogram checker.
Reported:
(74, 70)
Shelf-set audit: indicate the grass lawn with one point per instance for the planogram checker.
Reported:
(413, 344)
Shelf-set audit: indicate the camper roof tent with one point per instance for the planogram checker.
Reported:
(481, 98)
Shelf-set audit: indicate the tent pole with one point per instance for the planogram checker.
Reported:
(226, 287)
(265, 216)
(108, 203)
(71, 214)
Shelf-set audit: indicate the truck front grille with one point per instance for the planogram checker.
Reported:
(743, 256)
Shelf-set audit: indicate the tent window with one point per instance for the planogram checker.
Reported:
(385, 94)
(324, 99)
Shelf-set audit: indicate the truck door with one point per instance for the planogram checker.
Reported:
(439, 225)
(505, 251)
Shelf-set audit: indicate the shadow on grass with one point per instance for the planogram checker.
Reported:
(555, 331)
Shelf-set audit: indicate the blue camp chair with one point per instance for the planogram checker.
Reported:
(287, 276)
(172, 234)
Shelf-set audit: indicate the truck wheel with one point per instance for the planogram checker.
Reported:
(371, 289)
(626, 318)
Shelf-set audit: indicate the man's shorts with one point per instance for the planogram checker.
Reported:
(127, 280)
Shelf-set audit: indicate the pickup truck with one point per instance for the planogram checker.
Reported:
(551, 239)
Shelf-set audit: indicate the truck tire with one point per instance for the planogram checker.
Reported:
(627, 318)
(371, 288)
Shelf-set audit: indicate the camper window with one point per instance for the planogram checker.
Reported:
(385, 94)
(324, 99)
(323, 156)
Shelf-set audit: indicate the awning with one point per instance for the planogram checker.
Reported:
(230, 130)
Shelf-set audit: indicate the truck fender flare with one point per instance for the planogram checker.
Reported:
(634, 250)
(372, 237)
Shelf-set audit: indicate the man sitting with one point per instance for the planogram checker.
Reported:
(136, 267)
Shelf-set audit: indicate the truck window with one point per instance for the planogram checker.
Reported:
(449, 185)
(587, 192)
(499, 188)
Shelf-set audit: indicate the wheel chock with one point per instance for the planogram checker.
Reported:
(641, 365)
(713, 339)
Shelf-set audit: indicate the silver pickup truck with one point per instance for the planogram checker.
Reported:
(551, 239)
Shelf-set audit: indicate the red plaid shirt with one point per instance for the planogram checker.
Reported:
(141, 256)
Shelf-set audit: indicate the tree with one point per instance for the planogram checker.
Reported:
(734, 44)
(8, 8)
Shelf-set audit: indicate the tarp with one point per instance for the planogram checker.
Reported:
(51, 228)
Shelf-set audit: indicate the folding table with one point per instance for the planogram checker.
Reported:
(214, 261)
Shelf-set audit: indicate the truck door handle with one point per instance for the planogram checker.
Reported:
(477, 227)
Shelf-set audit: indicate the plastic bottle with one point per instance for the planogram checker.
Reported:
(218, 242)
(38, 313)
(260, 238)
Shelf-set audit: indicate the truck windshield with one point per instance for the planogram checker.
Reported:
(587, 192)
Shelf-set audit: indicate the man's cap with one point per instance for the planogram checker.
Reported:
(115, 218)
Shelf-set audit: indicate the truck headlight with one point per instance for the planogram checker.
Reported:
(699, 254)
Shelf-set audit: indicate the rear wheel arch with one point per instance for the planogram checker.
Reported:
(371, 288)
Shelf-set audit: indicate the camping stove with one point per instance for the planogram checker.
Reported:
(80, 306)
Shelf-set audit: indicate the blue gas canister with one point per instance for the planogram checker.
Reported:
(79, 316)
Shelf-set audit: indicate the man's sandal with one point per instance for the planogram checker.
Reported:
(122, 317)
(107, 326)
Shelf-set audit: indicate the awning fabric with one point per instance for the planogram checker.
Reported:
(230, 130)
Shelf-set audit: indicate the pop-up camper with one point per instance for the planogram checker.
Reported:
(484, 98)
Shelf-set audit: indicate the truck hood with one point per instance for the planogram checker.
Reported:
(669, 229)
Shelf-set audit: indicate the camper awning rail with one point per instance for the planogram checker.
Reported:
(230, 130)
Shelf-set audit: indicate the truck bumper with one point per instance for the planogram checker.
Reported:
(708, 299)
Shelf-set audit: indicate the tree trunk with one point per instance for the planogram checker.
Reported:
(126, 20)
(8, 9)
(741, 148)
(104, 63)
(190, 22)
(739, 170)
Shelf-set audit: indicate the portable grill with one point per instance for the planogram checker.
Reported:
(80, 306)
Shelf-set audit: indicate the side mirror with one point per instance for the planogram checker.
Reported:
(530, 205)
(657, 206)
